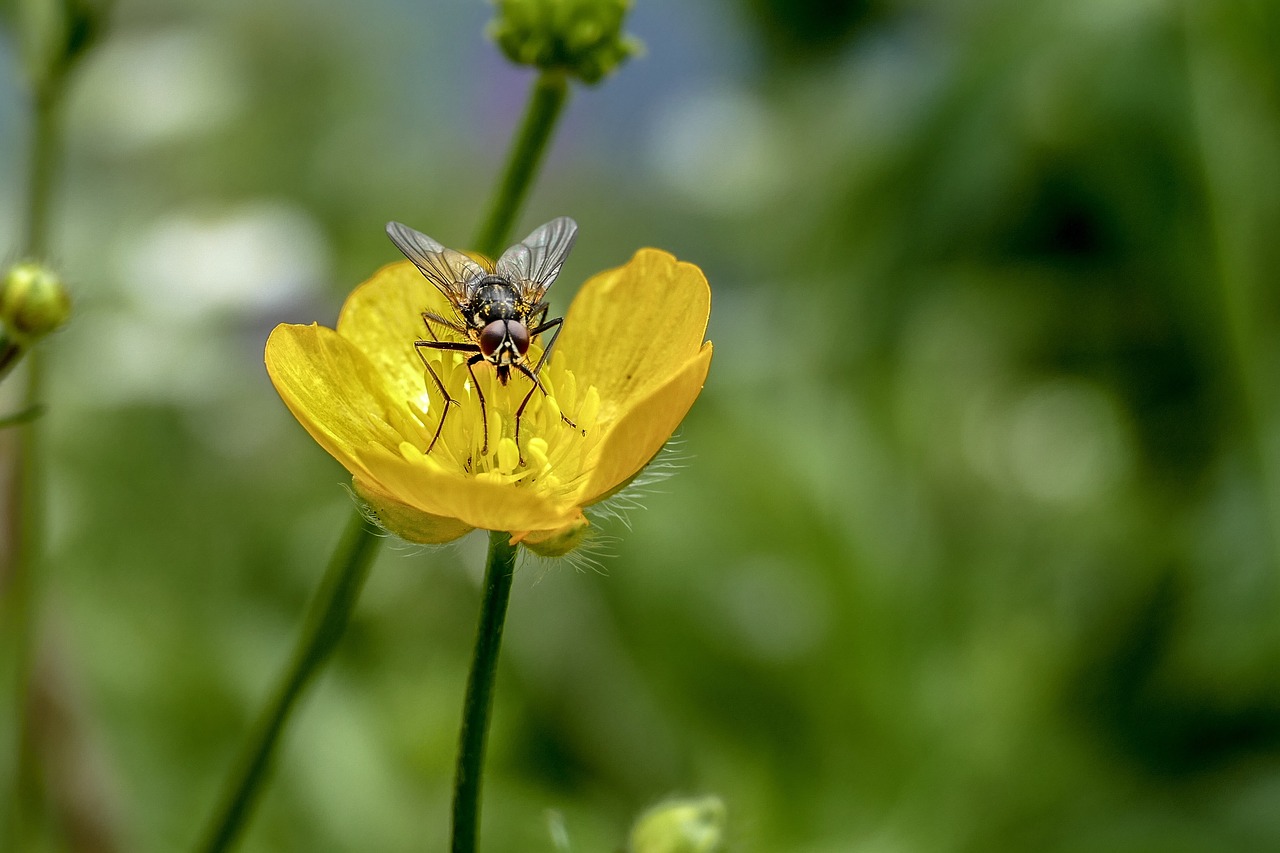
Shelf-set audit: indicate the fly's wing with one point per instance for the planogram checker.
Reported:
(534, 262)
(451, 271)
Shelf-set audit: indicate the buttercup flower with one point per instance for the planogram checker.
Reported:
(626, 369)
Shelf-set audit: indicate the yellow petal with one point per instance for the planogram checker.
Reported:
(383, 318)
(639, 434)
(333, 391)
(407, 522)
(418, 482)
(629, 329)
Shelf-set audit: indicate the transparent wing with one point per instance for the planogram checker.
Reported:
(451, 271)
(535, 261)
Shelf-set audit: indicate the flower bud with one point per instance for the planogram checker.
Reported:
(580, 37)
(33, 302)
(680, 826)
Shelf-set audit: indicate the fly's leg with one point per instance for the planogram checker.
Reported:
(484, 416)
(536, 386)
(537, 314)
(537, 368)
(431, 320)
(545, 327)
(452, 346)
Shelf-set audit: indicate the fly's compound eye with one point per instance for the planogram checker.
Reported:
(519, 336)
(492, 335)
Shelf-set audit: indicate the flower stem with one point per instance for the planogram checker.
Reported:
(45, 148)
(1238, 218)
(546, 102)
(550, 91)
(10, 352)
(26, 496)
(27, 529)
(479, 701)
(326, 620)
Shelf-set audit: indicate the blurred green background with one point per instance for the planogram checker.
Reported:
(977, 538)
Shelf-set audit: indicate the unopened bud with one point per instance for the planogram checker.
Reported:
(680, 826)
(580, 37)
(33, 302)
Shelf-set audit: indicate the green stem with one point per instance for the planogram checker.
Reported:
(479, 701)
(1237, 217)
(326, 620)
(550, 91)
(26, 494)
(10, 353)
(45, 148)
(27, 488)
(546, 102)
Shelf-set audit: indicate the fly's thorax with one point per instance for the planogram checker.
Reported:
(495, 299)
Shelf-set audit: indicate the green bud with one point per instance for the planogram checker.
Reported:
(579, 37)
(680, 826)
(33, 302)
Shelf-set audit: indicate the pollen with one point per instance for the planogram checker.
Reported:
(551, 455)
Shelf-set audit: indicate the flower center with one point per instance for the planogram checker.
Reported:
(551, 454)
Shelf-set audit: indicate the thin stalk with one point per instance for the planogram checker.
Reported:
(10, 352)
(46, 146)
(479, 702)
(26, 493)
(326, 620)
(27, 487)
(546, 101)
(1237, 223)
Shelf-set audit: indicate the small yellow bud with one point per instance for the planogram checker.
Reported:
(580, 37)
(33, 302)
(680, 826)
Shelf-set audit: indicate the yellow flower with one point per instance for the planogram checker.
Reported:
(626, 369)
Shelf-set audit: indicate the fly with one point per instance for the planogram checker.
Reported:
(497, 314)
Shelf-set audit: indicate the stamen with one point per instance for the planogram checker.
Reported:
(495, 424)
(414, 454)
(551, 455)
(537, 450)
(508, 455)
(567, 389)
(590, 408)
(552, 409)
